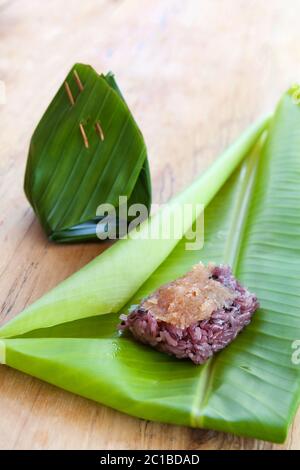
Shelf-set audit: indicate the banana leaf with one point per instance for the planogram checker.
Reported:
(86, 150)
(251, 388)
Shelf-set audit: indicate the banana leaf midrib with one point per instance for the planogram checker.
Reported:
(231, 255)
(240, 212)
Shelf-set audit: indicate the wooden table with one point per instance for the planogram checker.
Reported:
(195, 73)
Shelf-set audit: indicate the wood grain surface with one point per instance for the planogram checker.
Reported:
(195, 73)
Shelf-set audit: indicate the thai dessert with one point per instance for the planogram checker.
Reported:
(194, 316)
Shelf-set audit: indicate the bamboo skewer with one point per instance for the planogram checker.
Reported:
(99, 130)
(78, 81)
(85, 139)
(98, 127)
(69, 93)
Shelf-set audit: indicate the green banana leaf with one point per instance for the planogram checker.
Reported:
(107, 283)
(65, 181)
(251, 388)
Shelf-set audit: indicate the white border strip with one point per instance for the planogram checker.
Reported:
(2, 352)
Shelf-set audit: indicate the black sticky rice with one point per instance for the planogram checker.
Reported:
(201, 340)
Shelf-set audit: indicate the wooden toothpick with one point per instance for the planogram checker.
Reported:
(85, 139)
(69, 93)
(99, 130)
(78, 81)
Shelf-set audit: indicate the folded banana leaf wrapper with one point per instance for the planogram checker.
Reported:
(251, 194)
(87, 150)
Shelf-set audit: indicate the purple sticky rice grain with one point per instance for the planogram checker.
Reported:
(199, 341)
